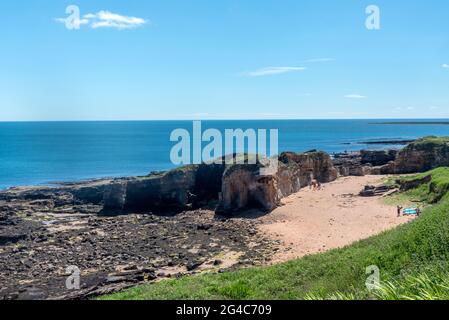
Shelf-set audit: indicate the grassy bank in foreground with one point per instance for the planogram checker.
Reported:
(412, 260)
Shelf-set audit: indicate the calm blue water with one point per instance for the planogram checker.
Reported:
(44, 152)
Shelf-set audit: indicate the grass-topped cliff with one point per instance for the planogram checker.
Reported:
(413, 261)
(431, 141)
(422, 155)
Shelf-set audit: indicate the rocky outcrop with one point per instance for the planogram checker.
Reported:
(422, 155)
(245, 188)
(88, 192)
(315, 165)
(176, 190)
(419, 156)
(172, 190)
(377, 157)
(350, 164)
(374, 191)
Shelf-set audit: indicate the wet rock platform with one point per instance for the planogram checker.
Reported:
(39, 241)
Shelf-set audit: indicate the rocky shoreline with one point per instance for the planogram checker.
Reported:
(123, 232)
(113, 253)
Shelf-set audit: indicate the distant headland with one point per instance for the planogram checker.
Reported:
(413, 122)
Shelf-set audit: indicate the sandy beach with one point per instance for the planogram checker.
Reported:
(316, 221)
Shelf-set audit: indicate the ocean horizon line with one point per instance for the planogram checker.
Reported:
(224, 119)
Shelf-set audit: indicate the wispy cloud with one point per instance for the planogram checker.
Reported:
(273, 71)
(355, 96)
(269, 71)
(318, 60)
(107, 19)
(445, 66)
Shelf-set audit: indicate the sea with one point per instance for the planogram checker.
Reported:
(44, 153)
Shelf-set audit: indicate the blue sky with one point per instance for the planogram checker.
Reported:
(224, 59)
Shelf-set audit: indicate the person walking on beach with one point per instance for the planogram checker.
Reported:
(399, 211)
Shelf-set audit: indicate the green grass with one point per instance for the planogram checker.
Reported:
(427, 193)
(412, 259)
(425, 286)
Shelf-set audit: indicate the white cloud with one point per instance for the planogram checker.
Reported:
(273, 71)
(354, 96)
(445, 66)
(107, 19)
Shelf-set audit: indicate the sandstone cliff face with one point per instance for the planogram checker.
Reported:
(422, 155)
(244, 187)
(317, 164)
(236, 187)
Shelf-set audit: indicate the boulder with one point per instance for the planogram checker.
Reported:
(372, 191)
